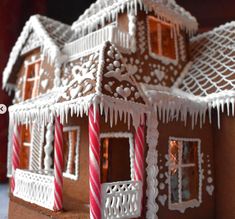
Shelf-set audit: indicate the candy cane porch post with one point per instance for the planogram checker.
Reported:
(139, 155)
(58, 166)
(16, 153)
(94, 164)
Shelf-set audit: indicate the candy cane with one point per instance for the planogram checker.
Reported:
(58, 166)
(139, 154)
(94, 164)
(16, 154)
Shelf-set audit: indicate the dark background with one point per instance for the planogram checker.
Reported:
(14, 14)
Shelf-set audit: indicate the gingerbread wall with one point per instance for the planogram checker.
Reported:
(177, 129)
(225, 167)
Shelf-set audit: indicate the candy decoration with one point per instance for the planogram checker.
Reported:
(58, 166)
(139, 154)
(16, 153)
(94, 164)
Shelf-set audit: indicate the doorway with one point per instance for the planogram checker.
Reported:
(117, 151)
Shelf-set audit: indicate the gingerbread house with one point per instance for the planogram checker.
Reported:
(122, 115)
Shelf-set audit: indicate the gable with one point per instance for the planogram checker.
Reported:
(33, 42)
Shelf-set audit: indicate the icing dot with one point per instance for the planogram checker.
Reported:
(161, 176)
(162, 186)
(116, 64)
(209, 172)
(209, 180)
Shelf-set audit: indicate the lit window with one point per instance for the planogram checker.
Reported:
(31, 83)
(184, 173)
(25, 150)
(161, 38)
(71, 152)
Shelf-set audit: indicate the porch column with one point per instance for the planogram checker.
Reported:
(94, 163)
(139, 154)
(139, 157)
(58, 165)
(16, 153)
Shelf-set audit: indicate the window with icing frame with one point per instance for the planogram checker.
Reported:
(71, 141)
(31, 79)
(185, 178)
(161, 39)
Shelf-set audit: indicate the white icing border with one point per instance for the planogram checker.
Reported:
(131, 145)
(182, 206)
(152, 166)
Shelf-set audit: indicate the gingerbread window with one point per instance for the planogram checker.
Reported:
(31, 82)
(161, 38)
(26, 144)
(184, 173)
(71, 137)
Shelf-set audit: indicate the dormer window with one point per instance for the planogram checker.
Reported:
(31, 82)
(162, 39)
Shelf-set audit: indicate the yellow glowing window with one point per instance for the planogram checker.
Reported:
(161, 38)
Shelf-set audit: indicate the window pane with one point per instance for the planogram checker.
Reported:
(189, 152)
(174, 152)
(174, 186)
(189, 183)
(168, 42)
(153, 34)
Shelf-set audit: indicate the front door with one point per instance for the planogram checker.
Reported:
(115, 159)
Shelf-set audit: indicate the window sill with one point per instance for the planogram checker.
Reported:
(70, 176)
(184, 205)
(164, 59)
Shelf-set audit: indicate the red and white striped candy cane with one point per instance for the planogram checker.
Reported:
(16, 153)
(139, 153)
(58, 166)
(94, 164)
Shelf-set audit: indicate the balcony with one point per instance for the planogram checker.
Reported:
(36, 188)
(95, 39)
(121, 199)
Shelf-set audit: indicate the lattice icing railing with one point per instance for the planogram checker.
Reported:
(35, 188)
(94, 39)
(121, 199)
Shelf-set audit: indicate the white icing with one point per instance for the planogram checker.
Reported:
(48, 148)
(44, 84)
(210, 189)
(152, 167)
(162, 199)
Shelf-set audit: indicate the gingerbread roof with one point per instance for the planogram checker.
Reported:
(213, 64)
(107, 10)
(39, 31)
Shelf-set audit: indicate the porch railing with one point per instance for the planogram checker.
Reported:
(94, 39)
(121, 199)
(35, 188)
